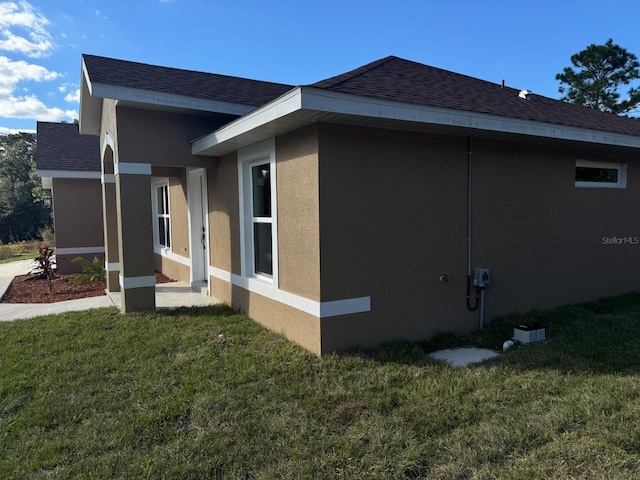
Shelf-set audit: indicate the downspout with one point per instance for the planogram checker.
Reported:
(469, 183)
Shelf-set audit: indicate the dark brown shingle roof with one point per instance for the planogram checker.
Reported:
(62, 148)
(207, 86)
(398, 80)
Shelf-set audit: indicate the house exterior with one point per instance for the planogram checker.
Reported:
(69, 166)
(355, 210)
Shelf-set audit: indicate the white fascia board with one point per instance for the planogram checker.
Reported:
(280, 107)
(90, 107)
(314, 99)
(341, 103)
(150, 97)
(68, 174)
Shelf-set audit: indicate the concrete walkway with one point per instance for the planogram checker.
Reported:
(168, 295)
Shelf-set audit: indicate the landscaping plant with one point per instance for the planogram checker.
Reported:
(92, 271)
(44, 265)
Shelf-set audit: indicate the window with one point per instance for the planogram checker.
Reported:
(600, 174)
(261, 219)
(163, 220)
(257, 195)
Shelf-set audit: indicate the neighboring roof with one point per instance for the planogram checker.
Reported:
(207, 86)
(60, 147)
(398, 80)
(401, 94)
(159, 87)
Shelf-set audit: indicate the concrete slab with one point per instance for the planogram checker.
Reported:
(461, 357)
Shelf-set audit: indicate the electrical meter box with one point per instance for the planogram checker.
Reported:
(481, 277)
(527, 333)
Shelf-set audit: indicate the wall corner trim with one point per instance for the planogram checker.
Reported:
(128, 283)
(112, 267)
(125, 168)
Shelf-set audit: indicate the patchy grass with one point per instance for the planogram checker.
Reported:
(14, 252)
(207, 393)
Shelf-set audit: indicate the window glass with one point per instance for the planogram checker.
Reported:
(261, 180)
(163, 219)
(589, 174)
(263, 262)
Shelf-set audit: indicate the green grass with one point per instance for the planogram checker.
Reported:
(14, 252)
(207, 393)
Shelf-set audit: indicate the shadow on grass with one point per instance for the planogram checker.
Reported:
(597, 337)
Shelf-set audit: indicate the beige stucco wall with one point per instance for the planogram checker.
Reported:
(172, 269)
(224, 220)
(298, 212)
(392, 220)
(161, 138)
(179, 216)
(542, 236)
(77, 206)
(393, 217)
(296, 172)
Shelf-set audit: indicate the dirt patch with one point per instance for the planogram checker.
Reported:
(27, 289)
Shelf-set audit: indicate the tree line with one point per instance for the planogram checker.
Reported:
(23, 210)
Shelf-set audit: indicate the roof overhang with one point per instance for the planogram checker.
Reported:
(92, 94)
(306, 105)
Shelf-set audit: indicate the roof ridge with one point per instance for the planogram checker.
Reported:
(351, 74)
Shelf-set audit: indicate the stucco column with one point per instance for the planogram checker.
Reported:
(110, 222)
(135, 236)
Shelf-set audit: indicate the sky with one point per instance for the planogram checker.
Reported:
(294, 42)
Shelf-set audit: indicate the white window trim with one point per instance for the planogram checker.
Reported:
(257, 154)
(157, 248)
(622, 174)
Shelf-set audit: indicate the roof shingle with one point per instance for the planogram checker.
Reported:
(61, 147)
(206, 86)
(398, 80)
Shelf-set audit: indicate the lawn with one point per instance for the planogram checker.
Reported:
(207, 393)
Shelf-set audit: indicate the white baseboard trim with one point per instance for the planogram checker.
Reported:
(317, 309)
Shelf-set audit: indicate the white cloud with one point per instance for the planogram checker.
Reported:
(23, 30)
(8, 131)
(12, 72)
(30, 107)
(27, 106)
(73, 97)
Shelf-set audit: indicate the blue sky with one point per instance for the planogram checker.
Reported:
(295, 42)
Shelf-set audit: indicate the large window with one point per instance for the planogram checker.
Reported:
(600, 174)
(163, 219)
(257, 182)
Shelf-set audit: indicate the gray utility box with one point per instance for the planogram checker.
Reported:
(527, 333)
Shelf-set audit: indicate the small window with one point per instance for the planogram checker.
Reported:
(163, 220)
(600, 174)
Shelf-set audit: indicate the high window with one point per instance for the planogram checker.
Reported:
(600, 174)
(162, 234)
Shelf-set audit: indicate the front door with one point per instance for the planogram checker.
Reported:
(198, 209)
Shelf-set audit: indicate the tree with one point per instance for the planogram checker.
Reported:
(22, 210)
(601, 71)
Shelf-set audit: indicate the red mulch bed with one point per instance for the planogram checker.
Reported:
(28, 289)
